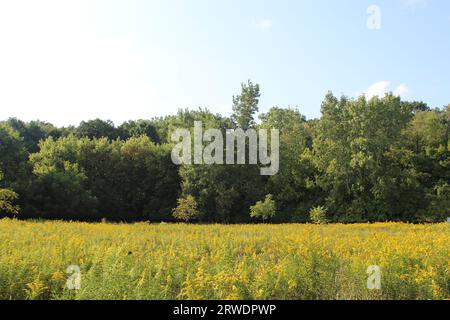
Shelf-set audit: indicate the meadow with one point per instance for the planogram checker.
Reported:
(177, 261)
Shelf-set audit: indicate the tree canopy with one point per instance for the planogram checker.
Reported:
(363, 160)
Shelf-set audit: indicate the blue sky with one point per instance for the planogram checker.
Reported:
(65, 61)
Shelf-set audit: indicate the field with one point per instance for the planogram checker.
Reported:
(153, 261)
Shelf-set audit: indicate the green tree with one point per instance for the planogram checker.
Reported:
(33, 132)
(13, 156)
(264, 210)
(129, 180)
(97, 129)
(149, 181)
(290, 187)
(61, 193)
(416, 106)
(318, 215)
(222, 192)
(139, 128)
(427, 129)
(7, 199)
(245, 105)
(360, 160)
(186, 209)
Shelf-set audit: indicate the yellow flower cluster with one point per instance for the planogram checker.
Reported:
(152, 261)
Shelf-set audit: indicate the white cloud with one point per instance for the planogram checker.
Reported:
(55, 67)
(263, 25)
(377, 89)
(402, 90)
(382, 87)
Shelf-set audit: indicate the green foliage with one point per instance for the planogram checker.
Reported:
(359, 155)
(97, 129)
(289, 186)
(139, 128)
(365, 160)
(416, 106)
(65, 194)
(427, 129)
(318, 215)
(7, 199)
(245, 105)
(149, 181)
(186, 209)
(439, 208)
(264, 210)
(128, 180)
(34, 132)
(223, 193)
(13, 155)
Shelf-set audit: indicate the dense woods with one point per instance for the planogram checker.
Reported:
(363, 160)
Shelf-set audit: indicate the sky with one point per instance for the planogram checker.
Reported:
(65, 61)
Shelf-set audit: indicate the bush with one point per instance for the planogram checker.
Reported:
(186, 209)
(318, 215)
(7, 197)
(264, 210)
(439, 208)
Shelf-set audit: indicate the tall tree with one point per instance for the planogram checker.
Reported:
(363, 167)
(289, 186)
(245, 105)
(13, 156)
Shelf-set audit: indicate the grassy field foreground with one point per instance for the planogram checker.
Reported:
(144, 261)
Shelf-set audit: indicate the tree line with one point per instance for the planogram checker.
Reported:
(363, 160)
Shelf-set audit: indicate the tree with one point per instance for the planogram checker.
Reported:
(7, 198)
(427, 129)
(360, 160)
(364, 160)
(245, 105)
(223, 193)
(129, 180)
(60, 185)
(446, 122)
(186, 209)
(33, 132)
(290, 186)
(61, 193)
(427, 135)
(148, 179)
(97, 129)
(139, 128)
(318, 215)
(13, 156)
(416, 106)
(439, 208)
(264, 209)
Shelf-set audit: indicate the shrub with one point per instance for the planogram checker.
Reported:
(186, 209)
(264, 209)
(7, 197)
(318, 215)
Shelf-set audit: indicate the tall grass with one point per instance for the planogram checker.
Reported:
(143, 261)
